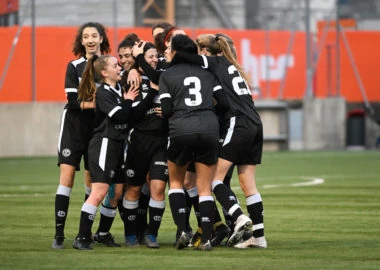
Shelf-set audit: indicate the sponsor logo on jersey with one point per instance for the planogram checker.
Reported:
(130, 173)
(161, 163)
(121, 126)
(66, 152)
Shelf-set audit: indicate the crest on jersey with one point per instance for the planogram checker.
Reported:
(66, 152)
(130, 173)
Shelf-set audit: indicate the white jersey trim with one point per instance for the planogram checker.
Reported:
(218, 87)
(230, 131)
(165, 95)
(103, 153)
(61, 129)
(71, 90)
(205, 62)
(114, 110)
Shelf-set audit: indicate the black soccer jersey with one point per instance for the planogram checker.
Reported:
(149, 122)
(73, 77)
(186, 94)
(236, 89)
(112, 112)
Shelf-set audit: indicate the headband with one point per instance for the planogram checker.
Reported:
(169, 33)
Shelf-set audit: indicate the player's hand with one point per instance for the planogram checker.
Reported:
(134, 78)
(138, 48)
(131, 94)
(158, 112)
(153, 86)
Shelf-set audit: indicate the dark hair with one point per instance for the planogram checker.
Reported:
(183, 43)
(163, 25)
(128, 41)
(164, 37)
(79, 49)
(148, 46)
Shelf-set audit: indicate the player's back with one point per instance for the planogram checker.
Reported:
(191, 91)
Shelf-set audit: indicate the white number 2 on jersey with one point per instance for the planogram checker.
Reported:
(236, 80)
(194, 91)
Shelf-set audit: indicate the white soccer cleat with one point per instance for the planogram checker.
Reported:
(253, 242)
(243, 224)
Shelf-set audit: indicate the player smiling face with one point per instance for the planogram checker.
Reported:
(112, 71)
(91, 40)
(151, 57)
(126, 58)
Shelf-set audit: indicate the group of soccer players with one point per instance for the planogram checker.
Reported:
(180, 112)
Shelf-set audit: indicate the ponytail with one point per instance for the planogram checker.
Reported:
(87, 86)
(231, 57)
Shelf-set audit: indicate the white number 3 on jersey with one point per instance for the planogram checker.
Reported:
(194, 91)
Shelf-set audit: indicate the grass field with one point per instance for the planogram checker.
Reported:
(322, 211)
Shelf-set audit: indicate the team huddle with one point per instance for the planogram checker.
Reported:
(174, 112)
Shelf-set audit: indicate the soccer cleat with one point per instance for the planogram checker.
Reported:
(221, 232)
(131, 241)
(183, 241)
(58, 242)
(196, 239)
(204, 246)
(253, 242)
(106, 239)
(151, 241)
(243, 224)
(83, 243)
(189, 232)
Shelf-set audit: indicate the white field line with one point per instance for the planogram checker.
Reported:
(312, 182)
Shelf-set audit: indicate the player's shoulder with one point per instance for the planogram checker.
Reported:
(78, 62)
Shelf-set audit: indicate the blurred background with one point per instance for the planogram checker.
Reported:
(314, 64)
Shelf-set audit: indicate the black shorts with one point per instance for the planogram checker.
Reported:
(106, 160)
(146, 153)
(74, 137)
(202, 148)
(241, 141)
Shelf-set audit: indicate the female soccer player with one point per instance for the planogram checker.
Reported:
(106, 155)
(76, 123)
(146, 155)
(242, 139)
(186, 94)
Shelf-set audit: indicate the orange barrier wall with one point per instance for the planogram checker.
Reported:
(54, 44)
(364, 47)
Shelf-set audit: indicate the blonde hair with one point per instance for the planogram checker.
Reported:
(92, 74)
(221, 44)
